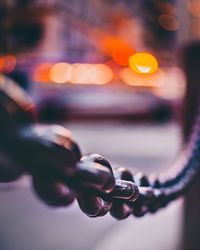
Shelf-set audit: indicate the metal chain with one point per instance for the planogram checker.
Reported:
(158, 192)
(60, 175)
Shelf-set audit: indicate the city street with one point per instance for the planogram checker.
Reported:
(28, 224)
(123, 77)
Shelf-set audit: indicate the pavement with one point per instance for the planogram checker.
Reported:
(28, 224)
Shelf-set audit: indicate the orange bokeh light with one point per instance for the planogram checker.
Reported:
(111, 42)
(41, 72)
(82, 73)
(143, 63)
(141, 80)
(121, 54)
(78, 73)
(194, 8)
(104, 74)
(91, 74)
(7, 63)
(60, 72)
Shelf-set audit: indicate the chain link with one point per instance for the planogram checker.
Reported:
(60, 175)
(137, 194)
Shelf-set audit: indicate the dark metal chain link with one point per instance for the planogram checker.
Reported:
(60, 175)
(138, 194)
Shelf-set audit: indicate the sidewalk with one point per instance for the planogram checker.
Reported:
(28, 224)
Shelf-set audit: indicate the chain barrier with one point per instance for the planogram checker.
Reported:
(60, 174)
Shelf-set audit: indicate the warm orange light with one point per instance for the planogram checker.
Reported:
(143, 63)
(111, 42)
(103, 74)
(121, 54)
(82, 73)
(91, 73)
(60, 72)
(7, 63)
(141, 80)
(41, 72)
(168, 22)
(194, 8)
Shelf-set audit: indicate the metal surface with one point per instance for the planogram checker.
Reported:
(50, 155)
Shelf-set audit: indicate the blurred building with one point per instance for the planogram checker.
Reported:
(84, 30)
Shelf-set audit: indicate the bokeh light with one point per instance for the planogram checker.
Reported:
(77, 73)
(194, 8)
(168, 22)
(82, 73)
(104, 74)
(132, 78)
(7, 63)
(60, 72)
(91, 73)
(174, 84)
(143, 63)
(121, 54)
(109, 43)
(41, 72)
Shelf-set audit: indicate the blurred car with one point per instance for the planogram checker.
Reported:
(101, 102)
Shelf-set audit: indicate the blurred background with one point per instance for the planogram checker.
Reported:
(108, 71)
